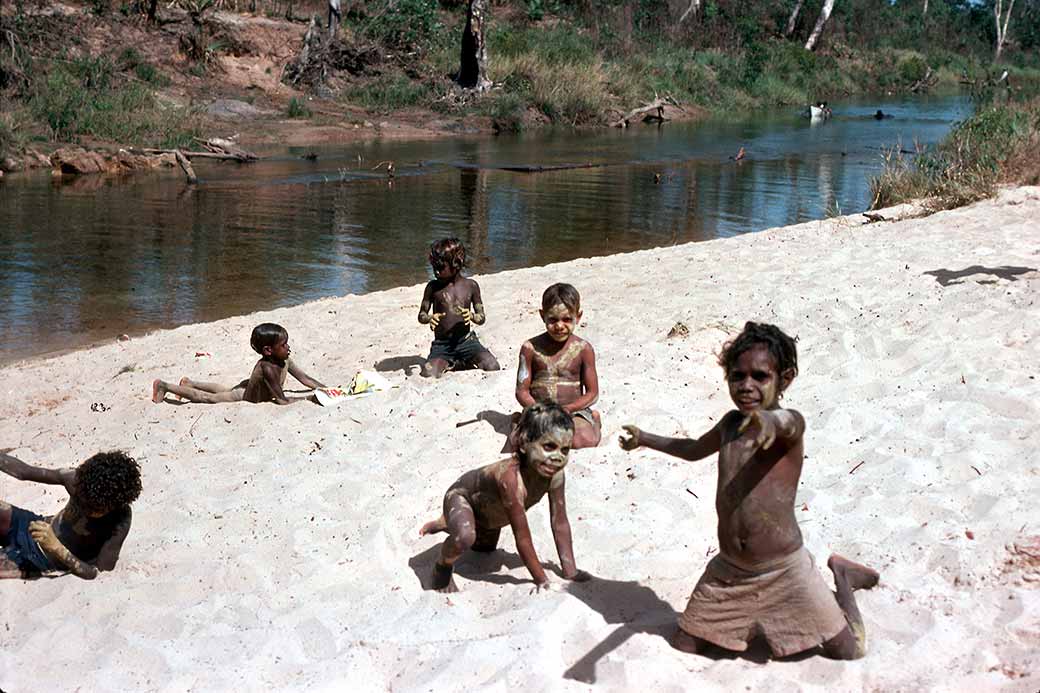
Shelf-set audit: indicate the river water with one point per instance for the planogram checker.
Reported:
(88, 260)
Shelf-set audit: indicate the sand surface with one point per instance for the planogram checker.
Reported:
(276, 548)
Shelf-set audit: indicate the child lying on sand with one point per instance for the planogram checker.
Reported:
(484, 500)
(265, 383)
(763, 577)
(86, 535)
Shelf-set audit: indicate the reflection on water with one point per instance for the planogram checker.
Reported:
(95, 258)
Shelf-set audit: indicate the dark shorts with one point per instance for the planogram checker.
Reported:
(20, 547)
(458, 352)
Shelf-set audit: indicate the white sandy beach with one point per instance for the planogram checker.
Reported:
(276, 548)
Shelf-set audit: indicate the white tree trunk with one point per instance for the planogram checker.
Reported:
(793, 19)
(825, 14)
(1002, 31)
(694, 8)
(924, 12)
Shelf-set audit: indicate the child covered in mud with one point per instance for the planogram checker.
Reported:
(763, 578)
(451, 304)
(264, 384)
(85, 537)
(559, 366)
(483, 501)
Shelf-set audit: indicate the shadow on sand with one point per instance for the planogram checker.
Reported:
(400, 363)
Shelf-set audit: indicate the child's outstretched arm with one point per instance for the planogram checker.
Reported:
(510, 494)
(523, 376)
(561, 529)
(305, 379)
(685, 448)
(787, 425)
(24, 471)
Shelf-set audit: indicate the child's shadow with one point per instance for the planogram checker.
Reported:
(635, 607)
(480, 567)
(401, 363)
(502, 424)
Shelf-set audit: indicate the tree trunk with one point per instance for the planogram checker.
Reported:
(152, 7)
(924, 12)
(1002, 31)
(694, 8)
(793, 19)
(473, 62)
(825, 14)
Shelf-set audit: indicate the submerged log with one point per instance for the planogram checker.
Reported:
(186, 167)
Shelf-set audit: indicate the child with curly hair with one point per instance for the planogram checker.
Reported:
(763, 579)
(451, 304)
(85, 537)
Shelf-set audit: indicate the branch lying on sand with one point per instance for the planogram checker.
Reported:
(202, 155)
(657, 104)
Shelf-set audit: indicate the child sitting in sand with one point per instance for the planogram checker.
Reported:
(450, 305)
(763, 578)
(86, 535)
(559, 366)
(484, 500)
(265, 383)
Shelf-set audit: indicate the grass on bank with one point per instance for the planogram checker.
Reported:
(995, 146)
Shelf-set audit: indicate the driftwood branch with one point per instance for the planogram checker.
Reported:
(647, 111)
(200, 155)
(186, 167)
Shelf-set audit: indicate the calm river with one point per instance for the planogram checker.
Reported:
(88, 260)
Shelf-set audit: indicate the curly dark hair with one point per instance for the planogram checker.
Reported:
(108, 481)
(448, 252)
(267, 334)
(781, 347)
(562, 293)
(540, 418)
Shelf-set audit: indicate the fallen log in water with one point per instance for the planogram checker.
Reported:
(647, 110)
(528, 168)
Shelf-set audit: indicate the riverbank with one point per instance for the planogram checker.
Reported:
(277, 547)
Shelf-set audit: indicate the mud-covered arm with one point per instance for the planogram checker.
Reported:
(684, 448)
(271, 378)
(523, 376)
(769, 425)
(589, 381)
(12, 466)
(476, 315)
(510, 495)
(561, 528)
(109, 554)
(44, 535)
(426, 307)
(297, 373)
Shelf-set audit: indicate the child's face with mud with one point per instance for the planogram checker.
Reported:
(754, 382)
(560, 321)
(548, 454)
(443, 268)
(280, 350)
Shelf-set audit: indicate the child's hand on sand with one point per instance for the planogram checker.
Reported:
(546, 586)
(766, 428)
(43, 534)
(632, 441)
(435, 319)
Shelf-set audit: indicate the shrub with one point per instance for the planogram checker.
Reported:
(388, 94)
(298, 109)
(406, 25)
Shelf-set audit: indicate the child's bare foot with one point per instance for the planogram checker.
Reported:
(442, 578)
(185, 381)
(158, 391)
(432, 527)
(859, 577)
(684, 642)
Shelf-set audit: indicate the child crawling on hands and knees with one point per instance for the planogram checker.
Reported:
(451, 304)
(483, 501)
(763, 578)
(559, 366)
(265, 383)
(86, 535)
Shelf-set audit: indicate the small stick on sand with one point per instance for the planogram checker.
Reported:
(857, 466)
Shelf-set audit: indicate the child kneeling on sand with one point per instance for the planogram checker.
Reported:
(451, 304)
(763, 578)
(265, 383)
(559, 366)
(483, 501)
(86, 535)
